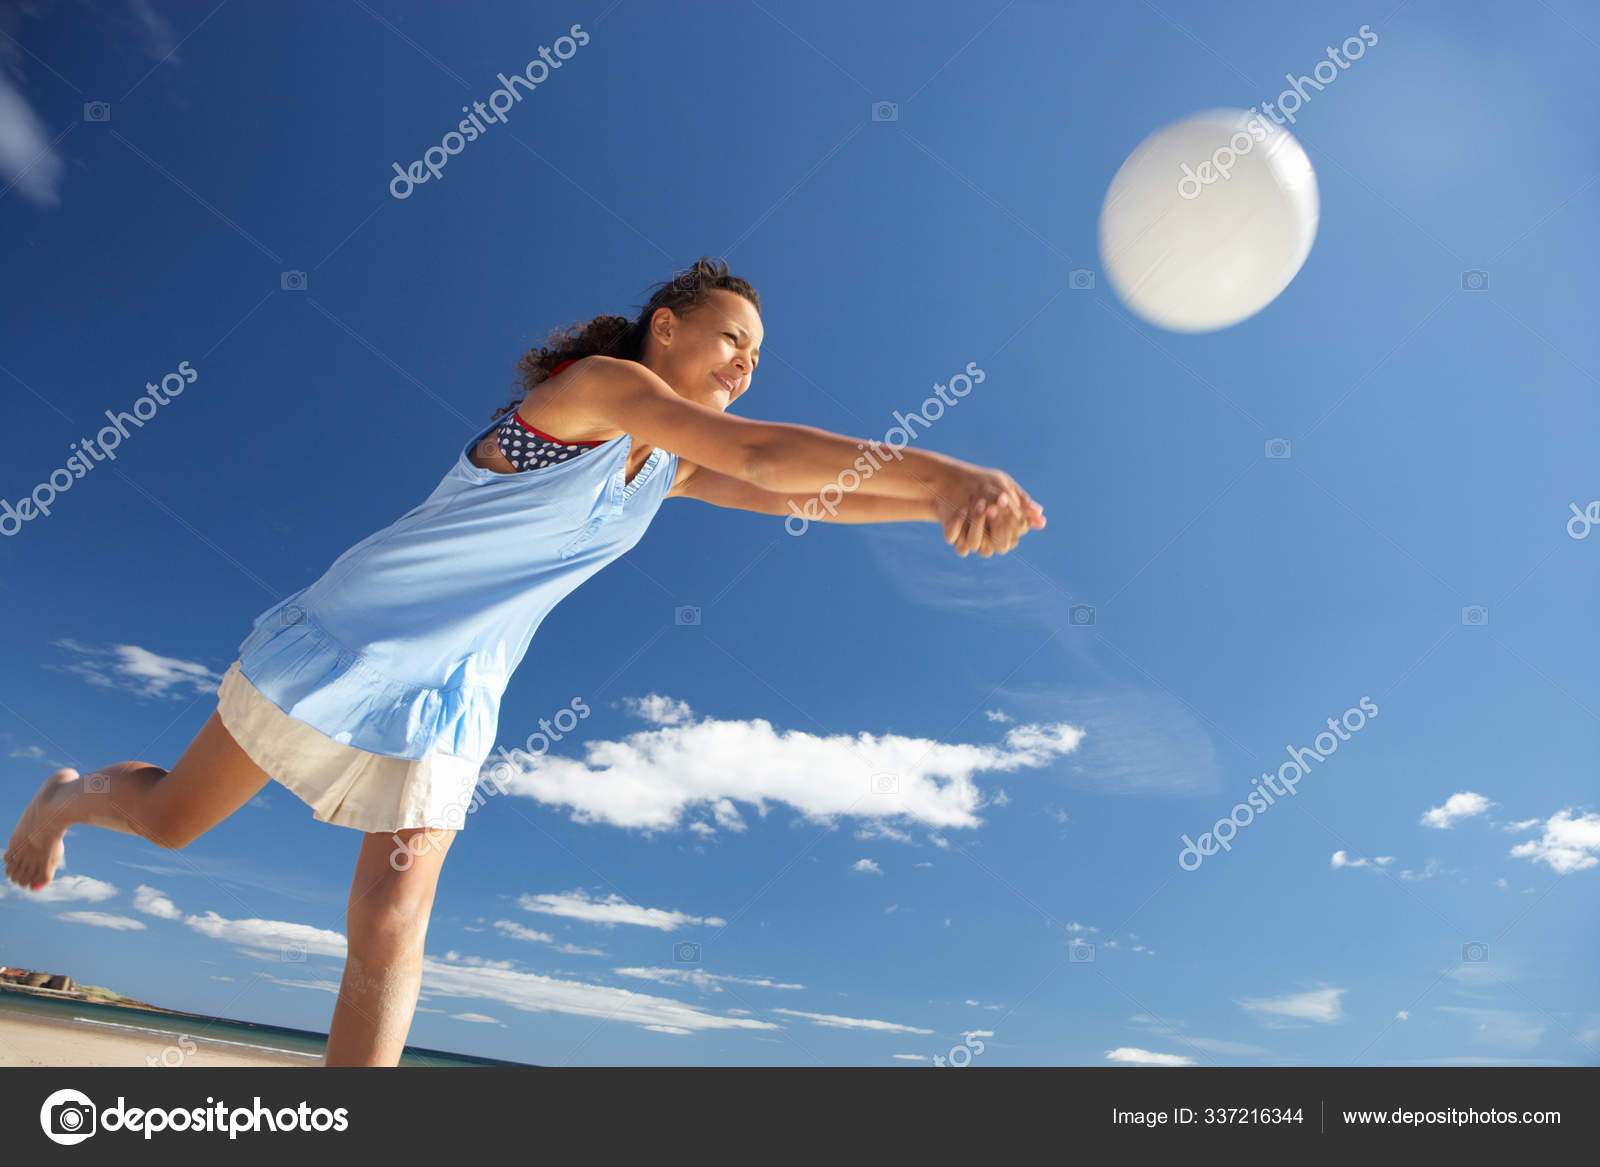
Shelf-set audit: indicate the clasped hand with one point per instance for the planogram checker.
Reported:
(994, 514)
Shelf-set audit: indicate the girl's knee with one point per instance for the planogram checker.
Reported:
(378, 918)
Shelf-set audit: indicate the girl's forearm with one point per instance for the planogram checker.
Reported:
(804, 461)
(857, 507)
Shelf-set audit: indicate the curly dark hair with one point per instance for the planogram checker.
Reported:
(617, 336)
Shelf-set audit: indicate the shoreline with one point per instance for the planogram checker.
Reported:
(97, 999)
(40, 1042)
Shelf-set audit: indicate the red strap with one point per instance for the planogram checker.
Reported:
(547, 437)
(541, 433)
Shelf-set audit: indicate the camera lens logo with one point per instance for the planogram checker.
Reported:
(96, 111)
(885, 111)
(292, 281)
(688, 616)
(68, 1117)
(1080, 279)
(1474, 952)
(686, 952)
(1475, 280)
(1081, 615)
(1475, 615)
(1080, 952)
(1278, 447)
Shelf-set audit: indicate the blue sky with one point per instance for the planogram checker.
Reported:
(720, 792)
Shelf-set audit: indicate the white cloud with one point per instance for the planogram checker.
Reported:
(1568, 844)
(478, 978)
(1501, 1028)
(866, 865)
(63, 889)
(1342, 859)
(1319, 1005)
(532, 993)
(1522, 825)
(321, 986)
(910, 1057)
(998, 715)
(103, 920)
(480, 1018)
(1590, 1034)
(154, 903)
(835, 1022)
(517, 932)
(1428, 872)
(454, 957)
(1217, 1045)
(1137, 741)
(579, 905)
(891, 908)
(138, 670)
(1500, 967)
(700, 979)
(1403, 1015)
(873, 829)
(659, 710)
(27, 158)
(1455, 808)
(1142, 1057)
(651, 779)
(35, 752)
(269, 935)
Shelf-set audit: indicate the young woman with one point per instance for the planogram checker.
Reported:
(374, 693)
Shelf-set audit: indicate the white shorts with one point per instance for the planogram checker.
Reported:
(343, 785)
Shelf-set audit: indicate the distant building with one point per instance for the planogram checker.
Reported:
(37, 980)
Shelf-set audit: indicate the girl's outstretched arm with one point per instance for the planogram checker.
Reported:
(788, 459)
(996, 535)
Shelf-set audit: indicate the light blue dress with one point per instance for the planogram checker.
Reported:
(406, 643)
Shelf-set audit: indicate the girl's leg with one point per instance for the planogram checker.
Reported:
(214, 778)
(386, 922)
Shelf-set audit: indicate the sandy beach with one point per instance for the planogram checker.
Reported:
(49, 1042)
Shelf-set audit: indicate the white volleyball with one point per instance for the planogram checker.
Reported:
(1208, 220)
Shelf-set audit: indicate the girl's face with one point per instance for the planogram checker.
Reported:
(710, 354)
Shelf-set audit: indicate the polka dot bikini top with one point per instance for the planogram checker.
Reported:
(528, 449)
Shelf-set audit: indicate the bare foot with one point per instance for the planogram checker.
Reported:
(36, 850)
